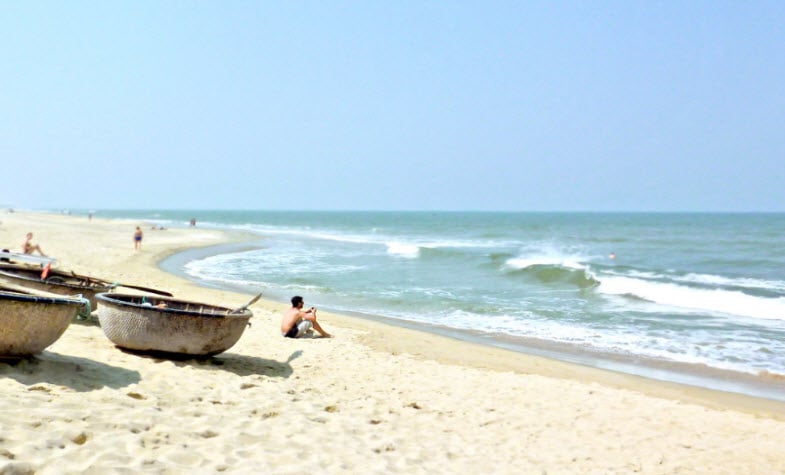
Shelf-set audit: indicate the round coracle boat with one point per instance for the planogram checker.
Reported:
(54, 281)
(29, 323)
(157, 324)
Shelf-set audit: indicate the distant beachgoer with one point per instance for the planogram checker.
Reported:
(296, 322)
(28, 247)
(138, 238)
(193, 221)
(612, 255)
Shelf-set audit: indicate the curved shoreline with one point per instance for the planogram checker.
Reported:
(687, 379)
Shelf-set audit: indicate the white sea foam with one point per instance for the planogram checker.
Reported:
(207, 273)
(736, 282)
(233, 267)
(547, 255)
(409, 251)
(713, 300)
(695, 347)
(707, 279)
(210, 274)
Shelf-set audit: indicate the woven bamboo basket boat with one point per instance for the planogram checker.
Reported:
(56, 282)
(29, 323)
(167, 325)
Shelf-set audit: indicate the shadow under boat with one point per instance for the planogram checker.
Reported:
(79, 374)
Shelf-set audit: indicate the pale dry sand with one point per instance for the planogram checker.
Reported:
(374, 399)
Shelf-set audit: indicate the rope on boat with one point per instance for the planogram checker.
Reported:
(85, 310)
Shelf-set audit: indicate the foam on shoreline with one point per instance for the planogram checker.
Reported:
(701, 376)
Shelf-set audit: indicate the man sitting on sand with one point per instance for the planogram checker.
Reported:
(296, 322)
(28, 247)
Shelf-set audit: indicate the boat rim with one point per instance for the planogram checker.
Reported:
(18, 296)
(4, 271)
(112, 299)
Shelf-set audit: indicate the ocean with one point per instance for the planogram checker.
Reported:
(697, 298)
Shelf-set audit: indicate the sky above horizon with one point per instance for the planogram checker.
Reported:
(509, 106)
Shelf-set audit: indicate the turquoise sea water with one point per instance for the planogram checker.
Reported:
(686, 294)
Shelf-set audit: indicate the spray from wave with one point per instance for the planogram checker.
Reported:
(399, 249)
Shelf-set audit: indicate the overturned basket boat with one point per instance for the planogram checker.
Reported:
(54, 281)
(167, 325)
(29, 323)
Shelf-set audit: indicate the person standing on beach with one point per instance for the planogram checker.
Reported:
(296, 322)
(138, 238)
(28, 247)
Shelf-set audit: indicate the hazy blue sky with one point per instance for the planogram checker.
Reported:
(446, 105)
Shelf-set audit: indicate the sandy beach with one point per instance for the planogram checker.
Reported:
(373, 399)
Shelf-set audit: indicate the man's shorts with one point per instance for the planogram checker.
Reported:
(299, 329)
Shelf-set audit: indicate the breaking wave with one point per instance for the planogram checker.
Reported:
(554, 270)
(733, 302)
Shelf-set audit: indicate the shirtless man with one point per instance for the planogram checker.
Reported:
(296, 322)
(28, 247)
